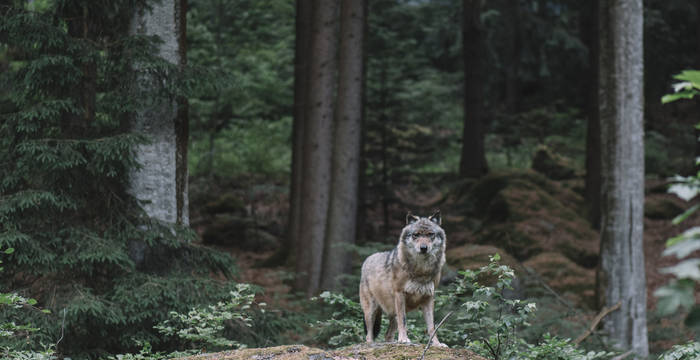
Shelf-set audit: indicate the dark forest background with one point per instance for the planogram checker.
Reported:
(157, 156)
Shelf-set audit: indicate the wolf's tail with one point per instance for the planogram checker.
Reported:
(377, 323)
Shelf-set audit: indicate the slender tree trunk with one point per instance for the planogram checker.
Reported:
(513, 9)
(592, 194)
(342, 216)
(473, 161)
(182, 124)
(621, 97)
(156, 184)
(317, 145)
(301, 80)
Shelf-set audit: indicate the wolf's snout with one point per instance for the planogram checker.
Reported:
(424, 248)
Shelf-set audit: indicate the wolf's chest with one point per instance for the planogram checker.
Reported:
(413, 287)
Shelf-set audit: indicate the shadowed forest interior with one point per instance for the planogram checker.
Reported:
(181, 177)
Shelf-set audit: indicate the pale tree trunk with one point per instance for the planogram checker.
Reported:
(473, 161)
(318, 130)
(621, 100)
(592, 193)
(301, 64)
(342, 216)
(161, 183)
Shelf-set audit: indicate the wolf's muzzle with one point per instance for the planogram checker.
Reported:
(424, 249)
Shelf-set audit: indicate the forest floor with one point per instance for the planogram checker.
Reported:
(537, 224)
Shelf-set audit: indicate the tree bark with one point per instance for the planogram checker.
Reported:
(158, 184)
(621, 97)
(301, 64)
(342, 216)
(317, 146)
(473, 160)
(513, 56)
(592, 193)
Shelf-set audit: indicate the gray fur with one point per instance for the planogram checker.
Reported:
(405, 278)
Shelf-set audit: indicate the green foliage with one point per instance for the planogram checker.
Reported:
(243, 124)
(490, 320)
(203, 327)
(686, 89)
(345, 326)
(67, 91)
(680, 292)
(553, 348)
(687, 351)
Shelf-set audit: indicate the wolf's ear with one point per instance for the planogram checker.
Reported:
(436, 217)
(410, 218)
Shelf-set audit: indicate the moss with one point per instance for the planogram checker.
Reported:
(552, 165)
(660, 207)
(373, 351)
(228, 203)
(565, 277)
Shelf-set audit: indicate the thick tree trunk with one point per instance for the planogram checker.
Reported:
(473, 161)
(621, 98)
(592, 194)
(317, 146)
(301, 80)
(158, 184)
(342, 216)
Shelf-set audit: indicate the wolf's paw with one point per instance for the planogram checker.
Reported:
(439, 344)
(404, 341)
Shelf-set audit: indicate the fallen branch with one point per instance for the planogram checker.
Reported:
(595, 322)
(430, 340)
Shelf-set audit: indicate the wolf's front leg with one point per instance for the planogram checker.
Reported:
(428, 309)
(400, 307)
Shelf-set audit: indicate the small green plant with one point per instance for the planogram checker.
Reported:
(554, 348)
(680, 292)
(690, 351)
(490, 319)
(205, 327)
(10, 329)
(345, 326)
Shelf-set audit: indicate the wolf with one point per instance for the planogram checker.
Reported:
(404, 278)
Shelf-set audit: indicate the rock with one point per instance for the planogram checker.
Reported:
(374, 351)
(573, 282)
(552, 165)
(662, 207)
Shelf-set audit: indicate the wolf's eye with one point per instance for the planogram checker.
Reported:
(431, 235)
(414, 235)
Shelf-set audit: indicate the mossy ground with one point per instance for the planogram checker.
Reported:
(373, 351)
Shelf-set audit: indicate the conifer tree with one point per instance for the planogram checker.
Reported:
(65, 155)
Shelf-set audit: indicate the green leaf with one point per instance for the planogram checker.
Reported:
(9, 251)
(683, 248)
(692, 76)
(680, 218)
(686, 94)
(688, 269)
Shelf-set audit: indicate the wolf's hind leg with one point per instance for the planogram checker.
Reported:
(391, 331)
(370, 309)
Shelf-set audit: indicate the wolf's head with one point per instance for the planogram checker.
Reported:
(423, 235)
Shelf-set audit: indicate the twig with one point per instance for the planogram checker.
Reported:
(430, 340)
(620, 357)
(63, 326)
(596, 320)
